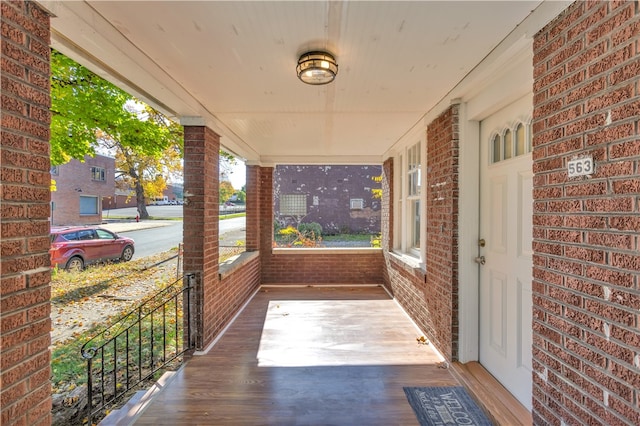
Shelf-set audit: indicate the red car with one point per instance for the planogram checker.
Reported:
(74, 247)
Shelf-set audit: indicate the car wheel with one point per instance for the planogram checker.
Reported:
(75, 264)
(127, 254)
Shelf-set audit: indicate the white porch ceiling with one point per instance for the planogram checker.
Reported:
(232, 64)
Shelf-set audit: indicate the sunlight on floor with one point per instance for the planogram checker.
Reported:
(340, 332)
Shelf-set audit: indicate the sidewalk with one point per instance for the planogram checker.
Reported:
(127, 225)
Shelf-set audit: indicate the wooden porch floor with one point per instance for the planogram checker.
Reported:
(305, 355)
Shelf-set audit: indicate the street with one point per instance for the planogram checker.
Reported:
(156, 240)
(154, 211)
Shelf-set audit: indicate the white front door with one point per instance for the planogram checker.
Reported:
(506, 208)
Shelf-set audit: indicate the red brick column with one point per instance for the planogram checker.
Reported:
(25, 395)
(266, 214)
(387, 205)
(200, 234)
(586, 273)
(253, 208)
(442, 228)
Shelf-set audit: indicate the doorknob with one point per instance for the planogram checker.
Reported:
(480, 260)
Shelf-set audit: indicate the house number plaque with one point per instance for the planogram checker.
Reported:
(580, 166)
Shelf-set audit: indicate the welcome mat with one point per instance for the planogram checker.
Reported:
(449, 405)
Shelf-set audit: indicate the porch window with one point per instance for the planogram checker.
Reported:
(413, 197)
(409, 200)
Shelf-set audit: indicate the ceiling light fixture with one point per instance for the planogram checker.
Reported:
(317, 68)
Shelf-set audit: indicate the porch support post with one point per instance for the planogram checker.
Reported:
(200, 225)
(253, 208)
(25, 293)
(266, 216)
(387, 205)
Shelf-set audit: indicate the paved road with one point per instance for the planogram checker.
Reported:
(156, 240)
(157, 211)
(153, 236)
(154, 211)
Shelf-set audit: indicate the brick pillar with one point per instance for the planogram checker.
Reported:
(25, 395)
(387, 205)
(441, 228)
(200, 234)
(266, 214)
(253, 208)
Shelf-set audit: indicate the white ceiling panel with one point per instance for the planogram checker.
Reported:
(233, 64)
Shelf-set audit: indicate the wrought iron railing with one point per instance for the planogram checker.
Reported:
(138, 346)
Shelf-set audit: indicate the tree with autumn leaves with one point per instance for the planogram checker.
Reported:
(90, 114)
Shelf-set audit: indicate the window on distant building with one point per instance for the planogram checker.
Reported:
(409, 200)
(88, 205)
(293, 204)
(97, 173)
(356, 203)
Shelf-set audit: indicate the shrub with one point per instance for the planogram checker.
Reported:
(309, 229)
(345, 229)
(277, 227)
(291, 237)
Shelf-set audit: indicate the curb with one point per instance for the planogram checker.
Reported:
(121, 227)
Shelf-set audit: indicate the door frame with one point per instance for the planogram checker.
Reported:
(506, 86)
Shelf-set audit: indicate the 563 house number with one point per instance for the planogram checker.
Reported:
(580, 167)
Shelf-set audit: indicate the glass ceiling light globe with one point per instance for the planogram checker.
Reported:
(317, 68)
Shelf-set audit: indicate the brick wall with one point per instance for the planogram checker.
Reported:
(25, 395)
(233, 291)
(586, 341)
(235, 287)
(431, 297)
(321, 268)
(200, 234)
(442, 227)
(408, 287)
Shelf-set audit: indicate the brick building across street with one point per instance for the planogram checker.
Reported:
(81, 187)
(339, 198)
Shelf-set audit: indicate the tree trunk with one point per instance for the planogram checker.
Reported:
(140, 201)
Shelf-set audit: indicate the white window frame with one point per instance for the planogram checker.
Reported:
(409, 188)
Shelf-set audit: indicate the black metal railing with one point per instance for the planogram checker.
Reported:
(139, 346)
